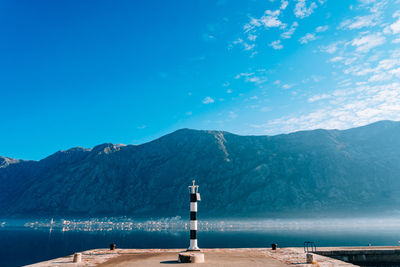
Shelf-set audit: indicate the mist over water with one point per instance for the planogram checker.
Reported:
(30, 241)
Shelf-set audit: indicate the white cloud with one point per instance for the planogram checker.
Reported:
(367, 42)
(254, 79)
(276, 44)
(257, 77)
(363, 105)
(229, 91)
(238, 41)
(287, 86)
(395, 72)
(287, 34)
(243, 74)
(380, 77)
(271, 19)
(268, 20)
(284, 4)
(248, 46)
(318, 97)
(395, 27)
(252, 37)
(307, 38)
(349, 61)
(386, 64)
(322, 28)
(396, 41)
(317, 78)
(366, 84)
(302, 11)
(367, 90)
(208, 100)
(331, 48)
(232, 115)
(312, 36)
(336, 59)
(383, 70)
(360, 22)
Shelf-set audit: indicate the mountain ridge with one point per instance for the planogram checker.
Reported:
(320, 171)
(79, 148)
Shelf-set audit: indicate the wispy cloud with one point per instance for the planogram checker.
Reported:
(395, 27)
(315, 98)
(360, 22)
(288, 34)
(374, 18)
(287, 86)
(307, 38)
(367, 42)
(313, 36)
(331, 48)
(248, 46)
(232, 115)
(365, 79)
(208, 100)
(336, 59)
(270, 19)
(365, 104)
(284, 4)
(322, 28)
(370, 89)
(257, 77)
(276, 44)
(301, 9)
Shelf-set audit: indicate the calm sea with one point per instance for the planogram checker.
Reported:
(21, 245)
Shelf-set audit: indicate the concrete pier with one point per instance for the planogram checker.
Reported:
(238, 257)
(364, 256)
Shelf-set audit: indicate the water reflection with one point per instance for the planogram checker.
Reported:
(174, 224)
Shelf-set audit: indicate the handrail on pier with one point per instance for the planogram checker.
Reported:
(310, 247)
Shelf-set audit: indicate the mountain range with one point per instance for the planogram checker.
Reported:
(306, 173)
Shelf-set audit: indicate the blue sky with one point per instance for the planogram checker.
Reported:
(81, 73)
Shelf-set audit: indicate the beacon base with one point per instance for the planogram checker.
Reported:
(193, 245)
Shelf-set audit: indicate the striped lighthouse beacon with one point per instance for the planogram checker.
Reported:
(194, 197)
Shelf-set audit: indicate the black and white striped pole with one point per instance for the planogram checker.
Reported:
(194, 197)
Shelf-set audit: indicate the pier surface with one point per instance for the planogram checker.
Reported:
(236, 257)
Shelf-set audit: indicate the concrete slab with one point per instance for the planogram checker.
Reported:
(212, 258)
(238, 257)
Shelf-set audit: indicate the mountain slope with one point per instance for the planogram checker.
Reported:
(320, 171)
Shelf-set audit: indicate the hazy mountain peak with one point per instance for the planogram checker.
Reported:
(107, 148)
(4, 161)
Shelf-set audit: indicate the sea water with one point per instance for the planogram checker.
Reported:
(25, 242)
